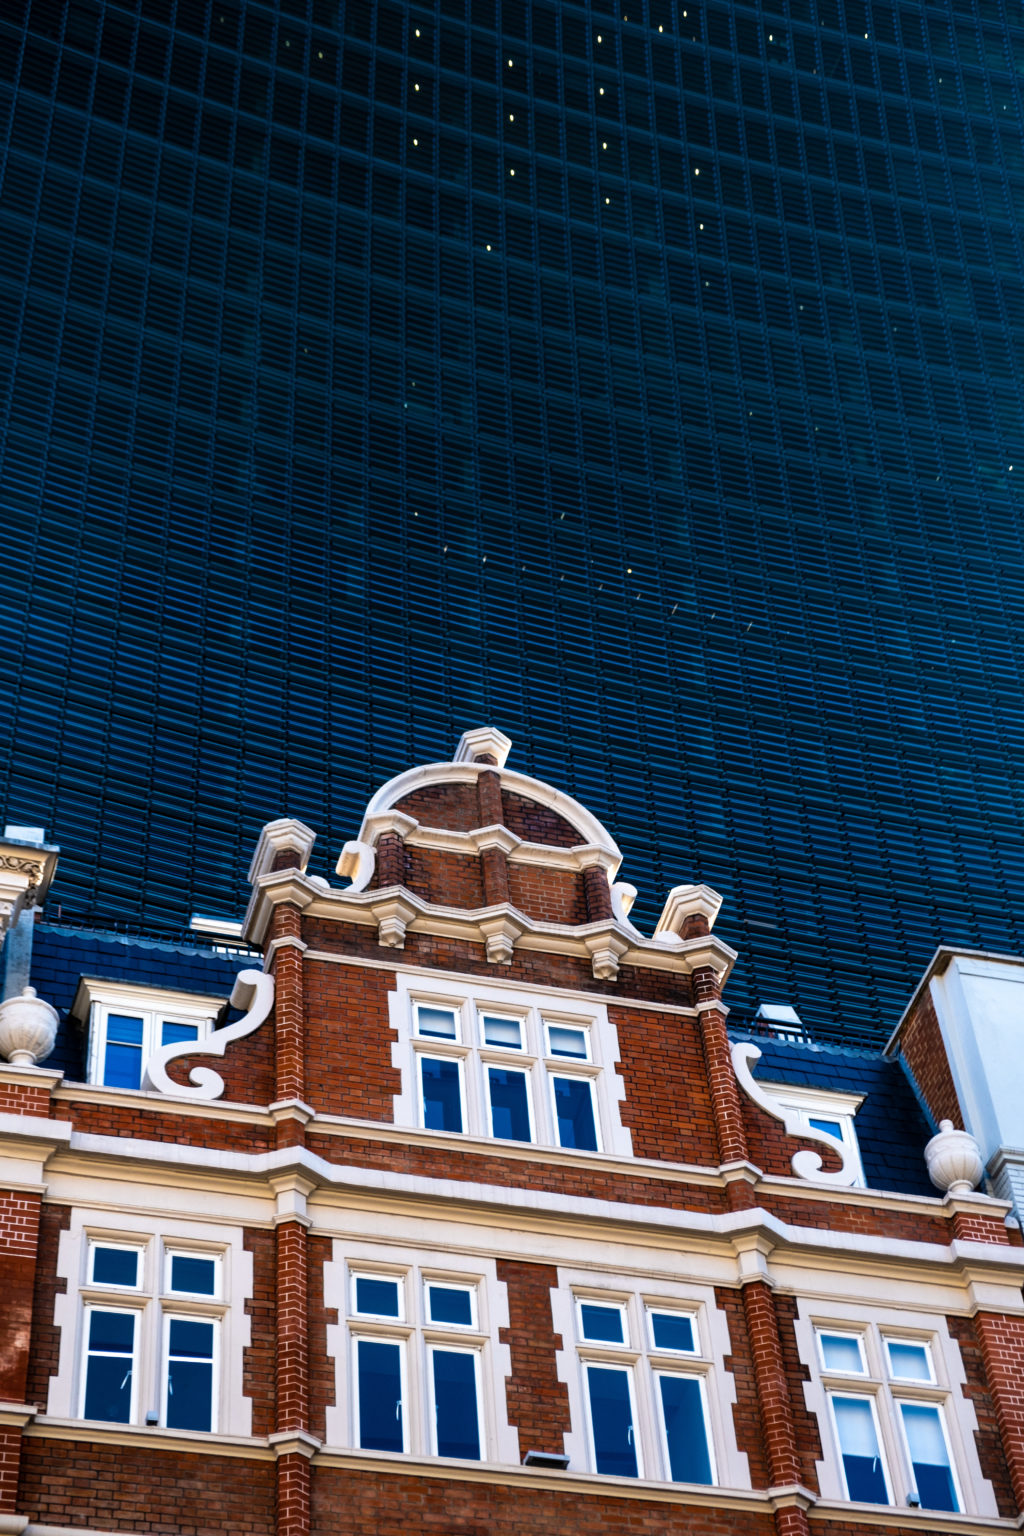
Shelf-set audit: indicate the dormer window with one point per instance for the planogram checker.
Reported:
(128, 1023)
(825, 1110)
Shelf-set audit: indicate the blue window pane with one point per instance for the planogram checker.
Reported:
(122, 1066)
(601, 1324)
(124, 1029)
(173, 1034)
(438, 1022)
(830, 1127)
(380, 1396)
(858, 1443)
(611, 1415)
(108, 1389)
(909, 1361)
(929, 1456)
(841, 1353)
(455, 1409)
(685, 1430)
(115, 1266)
(574, 1108)
(378, 1298)
(510, 1112)
(190, 1395)
(112, 1332)
(672, 1330)
(442, 1096)
(504, 1032)
(450, 1305)
(567, 1042)
(191, 1338)
(198, 1277)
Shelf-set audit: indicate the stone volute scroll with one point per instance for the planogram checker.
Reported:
(805, 1163)
(254, 991)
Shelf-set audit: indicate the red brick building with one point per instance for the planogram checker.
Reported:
(467, 1215)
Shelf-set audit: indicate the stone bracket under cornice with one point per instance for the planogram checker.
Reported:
(396, 911)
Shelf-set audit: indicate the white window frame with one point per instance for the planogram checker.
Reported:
(826, 1104)
(170, 1314)
(136, 1314)
(645, 1363)
(119, 1246)
(453, 1346)
(418, 1268)
(886, 1393)
(177, 1251)
(364, 1272)
(523, 1069)
(362, 1335)
(432, 1054)
(96, 1000)
(472, 1002)
(867, 1396)
(842, 1333)
(627, 1368)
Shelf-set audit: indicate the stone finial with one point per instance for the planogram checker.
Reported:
(28, 1029)
(486, 744)
(954, 1160)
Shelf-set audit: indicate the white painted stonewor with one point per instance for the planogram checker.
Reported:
(954, 1160)
(28, 1029)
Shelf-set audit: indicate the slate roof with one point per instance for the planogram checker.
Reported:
(892, 1127)
(62, 956)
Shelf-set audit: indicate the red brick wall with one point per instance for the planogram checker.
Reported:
(25, 1099)
(538, 823)
(45, 1347)
(292, 1384)
(10, 1463)
(348, 1040)
(350, 1503)
(538, 1403)
(547, 895)
(746, 1413)
(19, 1238)
(1002, 1349)
(986, 1437)
(448, 1162)
(116, 1487)
(831, 1216)
(155, 1125)
(258, 1362)
(533, 966)
(922, 1049)
(808, 1439)
(777, 1426)
(321, 1364)
(447, 879)
(668, 1103)
(453, 806)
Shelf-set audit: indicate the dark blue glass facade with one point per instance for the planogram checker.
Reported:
(641, 378)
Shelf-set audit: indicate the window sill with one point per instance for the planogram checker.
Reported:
(150, 1436)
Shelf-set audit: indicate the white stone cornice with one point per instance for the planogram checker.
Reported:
(495, 836)
(271, 890)
(351, 906)
(16, 1415)
(486, 739)
(26, 872)
(276, 835)
(294, 1442)
(398, 822)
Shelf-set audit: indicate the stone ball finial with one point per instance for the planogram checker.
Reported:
(28, 1029)
(954, 1160)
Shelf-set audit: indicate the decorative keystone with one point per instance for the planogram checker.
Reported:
(28, 1029)
(486, 741)
(283, 836)
(687, 901)
(954, 1160)
(606, 950)
(394, 913)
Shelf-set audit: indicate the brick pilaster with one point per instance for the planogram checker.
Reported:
(494, 866)
(777, 1426)
(390, 860)
(19, 1247)
(1002, 1350)
(597, 894)
(289, 1009)
(292, 1377)
(725, 1094)
(488, 797)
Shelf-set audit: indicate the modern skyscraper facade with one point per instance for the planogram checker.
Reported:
(638, 377)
